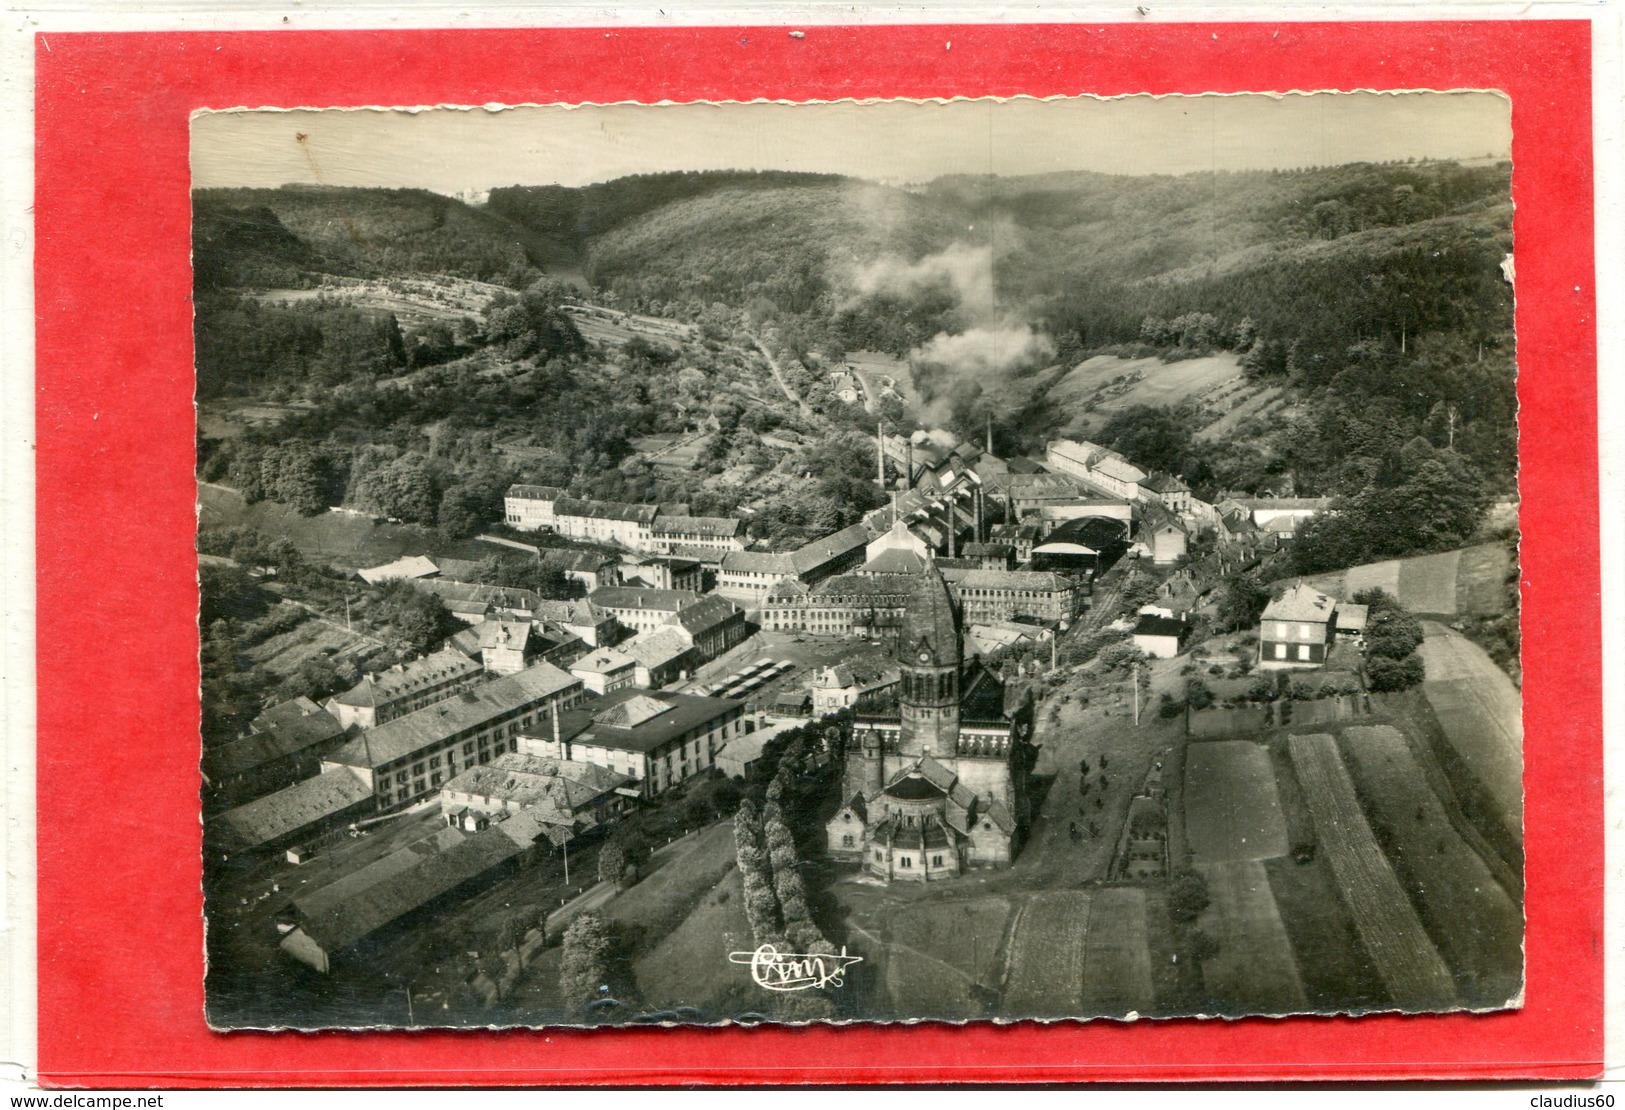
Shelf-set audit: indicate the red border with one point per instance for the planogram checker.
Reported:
(120, 999)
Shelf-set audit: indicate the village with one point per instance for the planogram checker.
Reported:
(995, 678)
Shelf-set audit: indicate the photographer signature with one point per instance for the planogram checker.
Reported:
(795, 971)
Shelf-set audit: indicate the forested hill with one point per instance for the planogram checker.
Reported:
(284, 237)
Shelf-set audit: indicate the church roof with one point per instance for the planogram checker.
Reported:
(914, 787)
(930, 617)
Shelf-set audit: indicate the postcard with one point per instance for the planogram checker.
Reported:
(1052, 574)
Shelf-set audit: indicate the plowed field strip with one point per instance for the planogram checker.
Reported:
(1117, 959)
(1415, 975)
(1047, 957)
(1254, 971)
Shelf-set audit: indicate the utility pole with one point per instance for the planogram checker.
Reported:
(347, 627)
(1134, 693)
(566, 863)
(1054, 638)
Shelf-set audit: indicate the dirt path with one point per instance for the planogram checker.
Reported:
(778, 376)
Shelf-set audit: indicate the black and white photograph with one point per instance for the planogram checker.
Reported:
(863, 561)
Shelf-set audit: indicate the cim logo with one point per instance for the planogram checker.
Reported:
(795, 971)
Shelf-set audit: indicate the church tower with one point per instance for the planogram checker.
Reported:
(928, 654)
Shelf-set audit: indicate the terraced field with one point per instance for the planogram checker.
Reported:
(1254, 970)
(1412, 971)
(1232, 811)
(1476, 926)
(1481, 715)
(1252, 405)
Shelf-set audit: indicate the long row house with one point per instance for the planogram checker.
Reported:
(650, 529)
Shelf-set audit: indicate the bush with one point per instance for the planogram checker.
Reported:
(1170, 707)
(1395, 674)
(1302, 689)
(1197, 694)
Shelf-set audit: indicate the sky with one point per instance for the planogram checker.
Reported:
(450, 149)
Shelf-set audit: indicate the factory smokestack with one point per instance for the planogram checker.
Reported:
(990, 433)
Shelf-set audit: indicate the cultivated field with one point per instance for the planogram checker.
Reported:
(1047, 956)
(943, 959)
(283, 654)
(1080, 953)
(1254, 970)
(1336, 971)
(1161, 383)
(1476, 926)
(1481, 715)
(1428, 584)
(1232, 811)
(1465, 583)
(1117, 961)
(1414, 975)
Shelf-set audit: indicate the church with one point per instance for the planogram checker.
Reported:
(936, 781)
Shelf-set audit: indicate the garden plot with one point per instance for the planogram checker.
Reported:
(1481, 715)
(1415, 976)
(1224, 722)
(1232, 811)
(1117, 957)
(1047, 956)
(1476, 926)
(1254, 970)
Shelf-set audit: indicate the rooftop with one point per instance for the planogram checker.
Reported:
(1301, 603)
(407, 678)
(400, 738)
(274, 816)
(340, 924)
(705, 614)
(605, 510)
(895, 561)
(277, 735)
(603, 661)
(723, 526)
(1150, 624)
(1030, 580)
(408, 566)
(636, 597)
(642, 720)
(535, 493)
(657, 648)
(529, 780)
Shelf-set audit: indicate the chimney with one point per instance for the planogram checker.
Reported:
(556, 740)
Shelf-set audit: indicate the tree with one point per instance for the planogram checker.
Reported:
(611, 863)
(1388, 674)
(1187, 896)
(1152, 437)
(584, 965)
(1242, 601)
(511, 935)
